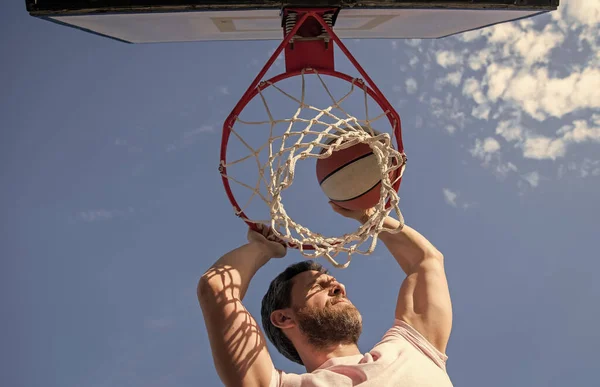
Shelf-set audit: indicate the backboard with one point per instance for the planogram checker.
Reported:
(155, 21)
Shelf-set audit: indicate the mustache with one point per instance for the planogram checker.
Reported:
(336, 299)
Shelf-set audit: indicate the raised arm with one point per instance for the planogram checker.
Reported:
(238, 346)
(424, 297)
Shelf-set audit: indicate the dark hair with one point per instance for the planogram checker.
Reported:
(279, 296)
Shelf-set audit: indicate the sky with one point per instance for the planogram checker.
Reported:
(112, 206)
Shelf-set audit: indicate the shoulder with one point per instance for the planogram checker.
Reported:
(402, 336)
(284, 379)
(280, 378)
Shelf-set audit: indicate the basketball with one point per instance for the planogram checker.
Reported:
(351, 177)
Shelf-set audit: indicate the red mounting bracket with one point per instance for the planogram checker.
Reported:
(310, 45)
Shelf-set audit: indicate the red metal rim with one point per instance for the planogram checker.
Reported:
(229, 123)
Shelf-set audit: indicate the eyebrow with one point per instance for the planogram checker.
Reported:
(317, 278)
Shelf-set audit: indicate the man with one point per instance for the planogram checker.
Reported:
(309, 319)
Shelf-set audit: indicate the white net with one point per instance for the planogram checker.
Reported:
(312, 133)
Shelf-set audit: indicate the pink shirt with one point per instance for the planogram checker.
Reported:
(403, 358)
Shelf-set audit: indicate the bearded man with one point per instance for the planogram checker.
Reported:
(308, 317)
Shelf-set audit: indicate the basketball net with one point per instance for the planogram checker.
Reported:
(317, 137)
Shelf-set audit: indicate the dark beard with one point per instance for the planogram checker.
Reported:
(330, 326)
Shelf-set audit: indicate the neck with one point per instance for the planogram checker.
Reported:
(314, 358)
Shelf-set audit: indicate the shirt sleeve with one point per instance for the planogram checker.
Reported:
(280, 378)
(402, 330)
(276, 377)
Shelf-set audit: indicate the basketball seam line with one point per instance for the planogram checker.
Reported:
(356, 197)
(344, 166)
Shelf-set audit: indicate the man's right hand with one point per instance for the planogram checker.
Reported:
(360, 215)
(266, 238)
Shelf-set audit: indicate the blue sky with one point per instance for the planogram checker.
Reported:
(112, 205)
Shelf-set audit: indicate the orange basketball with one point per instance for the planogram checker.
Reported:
(351, 177)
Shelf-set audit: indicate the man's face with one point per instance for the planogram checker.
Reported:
(323, 312)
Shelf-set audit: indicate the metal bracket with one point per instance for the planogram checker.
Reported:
(310, 45)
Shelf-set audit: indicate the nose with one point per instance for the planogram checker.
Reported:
(337, 289)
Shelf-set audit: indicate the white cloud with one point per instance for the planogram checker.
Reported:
(458, 118)
(580, 131)
(586, 12)
(418, 122)
(411, 86)
(189, 137)
(587, 168)
(413, 61)
(470, 36)
(528, 79)
(450, 197)
(510, 130)
(490, 145)
(504, 169)
(517, 59)
(413, 42)
(543, 148)
(480, 59)
(472, 88)
(447, 58)
(541, 95)
(223, 90)
(534, 46)
(481, 112)
(583, 18)
(453, 79)
(199, 130)
(533, 178)
(523, 42)
(484, 150)
(498, 76)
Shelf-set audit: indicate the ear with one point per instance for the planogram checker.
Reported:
(282, 318)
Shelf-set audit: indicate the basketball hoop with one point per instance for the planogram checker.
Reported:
(308, 45)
